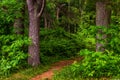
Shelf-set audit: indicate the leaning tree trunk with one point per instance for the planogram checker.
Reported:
(34, 20)
(102, 20)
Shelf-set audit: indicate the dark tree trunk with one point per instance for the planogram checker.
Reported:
(19, 26)
(35, 10)
(103, 20)
(57, 13)
(19, 22)
(45, 22)
(45, 19)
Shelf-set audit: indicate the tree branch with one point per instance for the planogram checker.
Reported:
(42, 8)
(62, 5)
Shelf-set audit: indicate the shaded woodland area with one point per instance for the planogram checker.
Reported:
(36, 33)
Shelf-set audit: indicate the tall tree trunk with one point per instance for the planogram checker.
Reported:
(35, 12)
(103, 20)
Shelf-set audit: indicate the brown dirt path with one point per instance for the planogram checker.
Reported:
(56, 66)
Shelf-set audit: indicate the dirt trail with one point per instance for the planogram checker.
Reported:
(56, 66)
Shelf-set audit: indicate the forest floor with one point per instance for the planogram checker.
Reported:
(55, 67)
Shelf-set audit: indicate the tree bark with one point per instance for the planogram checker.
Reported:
(102, 20)
(35, 8)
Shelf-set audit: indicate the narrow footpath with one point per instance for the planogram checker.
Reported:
(56, 66)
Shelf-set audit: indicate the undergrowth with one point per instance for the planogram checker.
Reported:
(95, 65)
(26, 74)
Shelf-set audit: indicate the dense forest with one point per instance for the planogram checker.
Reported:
(36, 33)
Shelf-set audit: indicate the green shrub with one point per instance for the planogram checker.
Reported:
(8, 13)
(58, 42)
(12, 52)
(113, 38)
(94, 65)
(98, 64)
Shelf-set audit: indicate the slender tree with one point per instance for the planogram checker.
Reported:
(35, 9)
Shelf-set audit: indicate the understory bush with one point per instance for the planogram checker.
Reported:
(58, 42)
(13, 53)
(94, 65)
(113, 38)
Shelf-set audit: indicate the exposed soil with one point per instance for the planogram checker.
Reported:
(56, 66)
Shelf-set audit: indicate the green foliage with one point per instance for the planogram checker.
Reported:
(58, 42)
(12, 52)
(27, 73)
(94, 65)
(87, 37)
(114, 38)
(97, 64)
(9, 11)
(10, 8)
